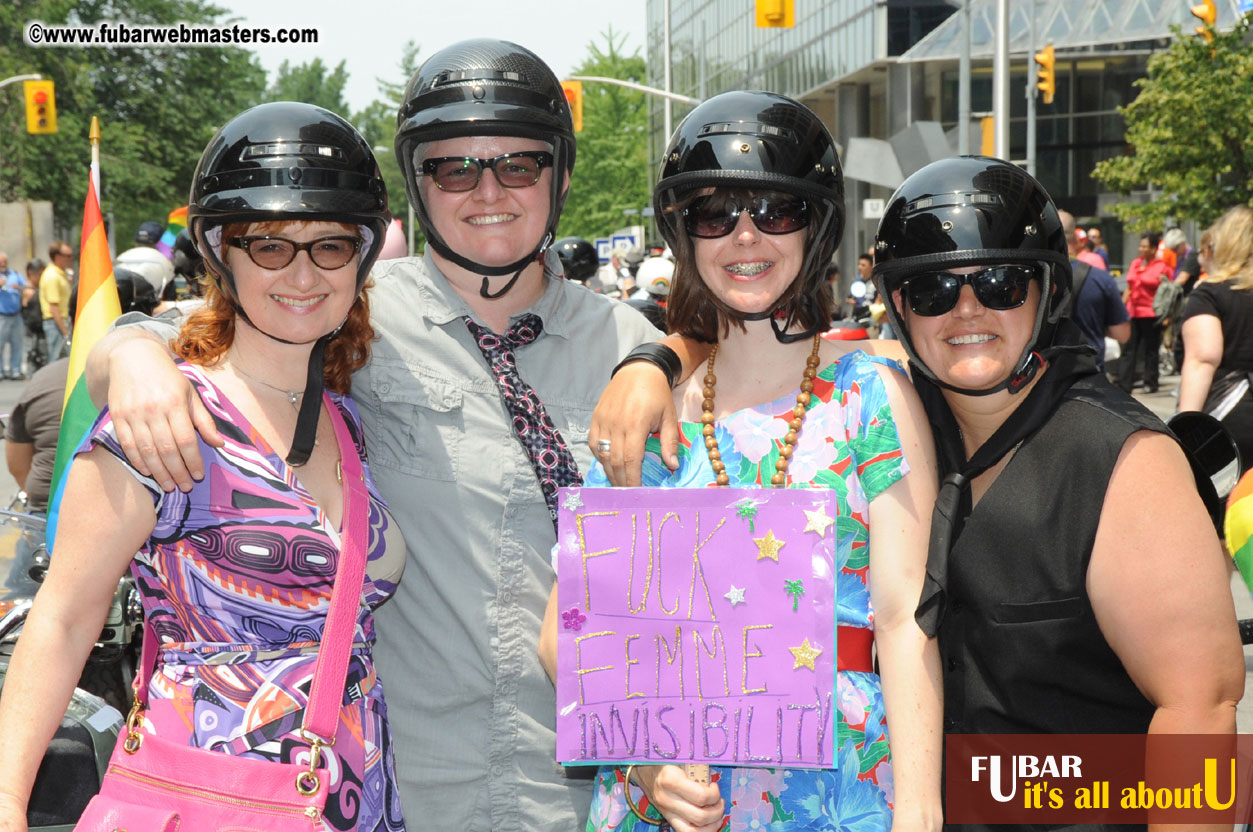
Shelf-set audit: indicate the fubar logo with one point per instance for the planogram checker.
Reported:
(1098, 778)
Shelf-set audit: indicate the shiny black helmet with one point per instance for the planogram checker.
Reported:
(578, 257)
(485, 87)
(760, 141)
(187, 259)
(973, 211)
(287, 161)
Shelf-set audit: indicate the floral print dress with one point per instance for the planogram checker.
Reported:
(235, 583)
(848, 444)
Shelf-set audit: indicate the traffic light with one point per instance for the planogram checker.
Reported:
(1208, 13)
(987, 136)
(1046, 76)
(776, 14)
(574, 95)
(41, 107)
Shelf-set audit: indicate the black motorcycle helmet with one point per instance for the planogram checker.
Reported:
(974, 211)
(760, 141)
(578, 257)
(149, 233)
(485, 87)
(187, 259)
(288, 161)
(134, 292)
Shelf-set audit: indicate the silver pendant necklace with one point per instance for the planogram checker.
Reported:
(293, 396)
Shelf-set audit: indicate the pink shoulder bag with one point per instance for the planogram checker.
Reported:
(155, 785)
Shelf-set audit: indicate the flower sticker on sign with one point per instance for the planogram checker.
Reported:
(705, 627)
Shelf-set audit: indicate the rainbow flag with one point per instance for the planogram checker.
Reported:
(1238, 527)
(98, 308)
(177, 222)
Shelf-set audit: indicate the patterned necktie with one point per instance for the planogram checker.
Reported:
(554, 465)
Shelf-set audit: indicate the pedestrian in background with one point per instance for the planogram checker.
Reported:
(32, 317)
(1143, 276)
(1098, 308)
(1187, 272)
(54, 298)
(1097, 241)
(1218, 330)
(12, 329)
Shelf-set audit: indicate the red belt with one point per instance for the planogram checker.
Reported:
(853, 649)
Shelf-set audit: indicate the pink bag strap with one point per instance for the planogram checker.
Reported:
(327, 692)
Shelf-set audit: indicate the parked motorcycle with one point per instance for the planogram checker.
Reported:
(75, 762)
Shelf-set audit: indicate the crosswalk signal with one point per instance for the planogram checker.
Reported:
(1046, 76)
(41, 107)
(776, 14)
(1208, 14)
(574, 95)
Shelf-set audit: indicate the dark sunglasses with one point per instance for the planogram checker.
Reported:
(709, 217)
(462, 173)
(277, 252)
(999, 287)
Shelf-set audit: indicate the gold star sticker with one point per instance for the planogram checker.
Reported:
(805, 655)
(818, 520)
(769, 546)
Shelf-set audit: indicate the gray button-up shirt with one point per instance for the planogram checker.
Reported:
(471, 710)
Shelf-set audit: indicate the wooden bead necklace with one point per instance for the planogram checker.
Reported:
(779, 477)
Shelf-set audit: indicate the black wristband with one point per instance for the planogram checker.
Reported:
(657, 354)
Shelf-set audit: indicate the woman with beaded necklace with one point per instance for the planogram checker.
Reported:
(751, 201)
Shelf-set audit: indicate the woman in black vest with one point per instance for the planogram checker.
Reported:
(1103, 615)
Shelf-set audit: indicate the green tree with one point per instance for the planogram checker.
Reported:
(611, 170)
(1188, 132)
(158, 107)
(312, 84)
(377, 122)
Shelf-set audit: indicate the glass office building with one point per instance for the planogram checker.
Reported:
(873, 68)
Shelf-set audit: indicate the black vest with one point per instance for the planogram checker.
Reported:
(1019, 642)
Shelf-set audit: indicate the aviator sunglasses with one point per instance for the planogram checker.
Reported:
(462, 173)
(999, 287)
(275, 253)
(709, 218)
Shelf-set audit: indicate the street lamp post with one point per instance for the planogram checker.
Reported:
(1000, 81)
(13, 79)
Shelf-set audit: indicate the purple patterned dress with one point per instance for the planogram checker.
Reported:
(236, 582)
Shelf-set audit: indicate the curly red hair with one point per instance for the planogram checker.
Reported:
(209, 331)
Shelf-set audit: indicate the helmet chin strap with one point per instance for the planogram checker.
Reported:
(306, 433)
(491, 296)
(1015, 383)
(778, 320)
(485, 292)
(488, 272)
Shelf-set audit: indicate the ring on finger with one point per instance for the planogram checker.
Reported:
(603, 445)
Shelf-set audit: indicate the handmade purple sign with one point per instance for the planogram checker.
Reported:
(696, 625)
